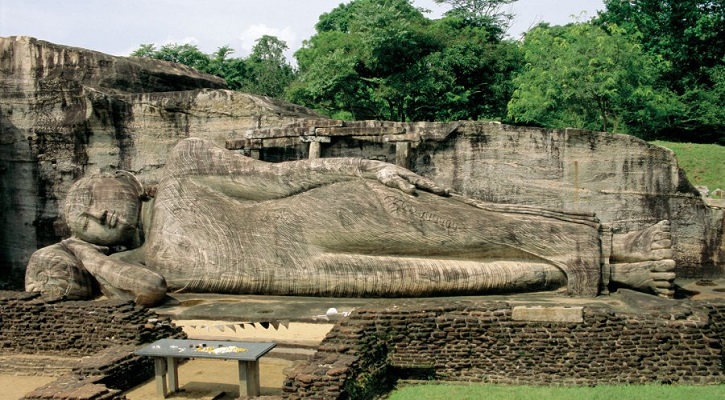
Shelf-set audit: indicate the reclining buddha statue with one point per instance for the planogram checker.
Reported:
(221, 222)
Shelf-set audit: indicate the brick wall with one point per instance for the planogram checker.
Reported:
(366, 353)
(104, 333)
(475, 342)
(30, 324)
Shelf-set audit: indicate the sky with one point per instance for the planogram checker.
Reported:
(120, 27)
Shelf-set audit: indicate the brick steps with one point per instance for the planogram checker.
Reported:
(36, 365)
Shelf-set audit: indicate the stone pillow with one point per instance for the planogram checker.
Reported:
(56, 273)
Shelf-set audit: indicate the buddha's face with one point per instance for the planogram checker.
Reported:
(105, 211)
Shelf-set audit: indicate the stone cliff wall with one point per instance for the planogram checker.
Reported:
(630, 184)
(67, 112)
(364, 354)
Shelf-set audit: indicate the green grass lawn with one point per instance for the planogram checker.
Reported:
(501, 392)
(704, 164)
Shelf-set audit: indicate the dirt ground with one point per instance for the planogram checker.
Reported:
(198, 379)
(14, 387)
(213, 379)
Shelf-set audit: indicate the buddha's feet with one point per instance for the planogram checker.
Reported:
(642, 260)
(655, 277)
(650, 244)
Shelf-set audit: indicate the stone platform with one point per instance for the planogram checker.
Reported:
(273, 312)
(299, 324)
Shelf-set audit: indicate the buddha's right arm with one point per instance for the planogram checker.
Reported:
(119, 278)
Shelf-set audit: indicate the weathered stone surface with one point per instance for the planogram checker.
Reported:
(548, 314)
(628, 183)
(68, 112)
(223, 222)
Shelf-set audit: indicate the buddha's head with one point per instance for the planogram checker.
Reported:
(104, 209)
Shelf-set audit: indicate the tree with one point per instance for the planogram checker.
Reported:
(485, 12)
(218, 60)
(145, 50)
(234, 70)
(689, 36)
(386, 60)
(269, 73)
(265, 72)
(582, 76)
(482, 66)
(362, 60)
(186, 54)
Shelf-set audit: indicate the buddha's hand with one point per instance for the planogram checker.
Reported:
(118, 278)
(79, 247)
(408, 181)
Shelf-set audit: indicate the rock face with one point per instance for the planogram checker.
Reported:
(629, 184)
(68, 112)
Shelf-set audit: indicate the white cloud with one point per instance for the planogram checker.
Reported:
(186, 40)
(190, 40)
(255, 31)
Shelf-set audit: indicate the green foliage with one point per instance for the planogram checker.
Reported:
(358, 57)
(651, 68)
(186, 54)
(703, 163)
(688, 34)
(582, 76)
(473, 392)
(480, 66)
(486, 13)
(386, 60)
(265, 72)
(145, 50)
(268, 72)
(689, 37)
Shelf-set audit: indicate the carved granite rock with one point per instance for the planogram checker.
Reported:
(225, 223)
(628, 183)
(67, 112)
(61, 120)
